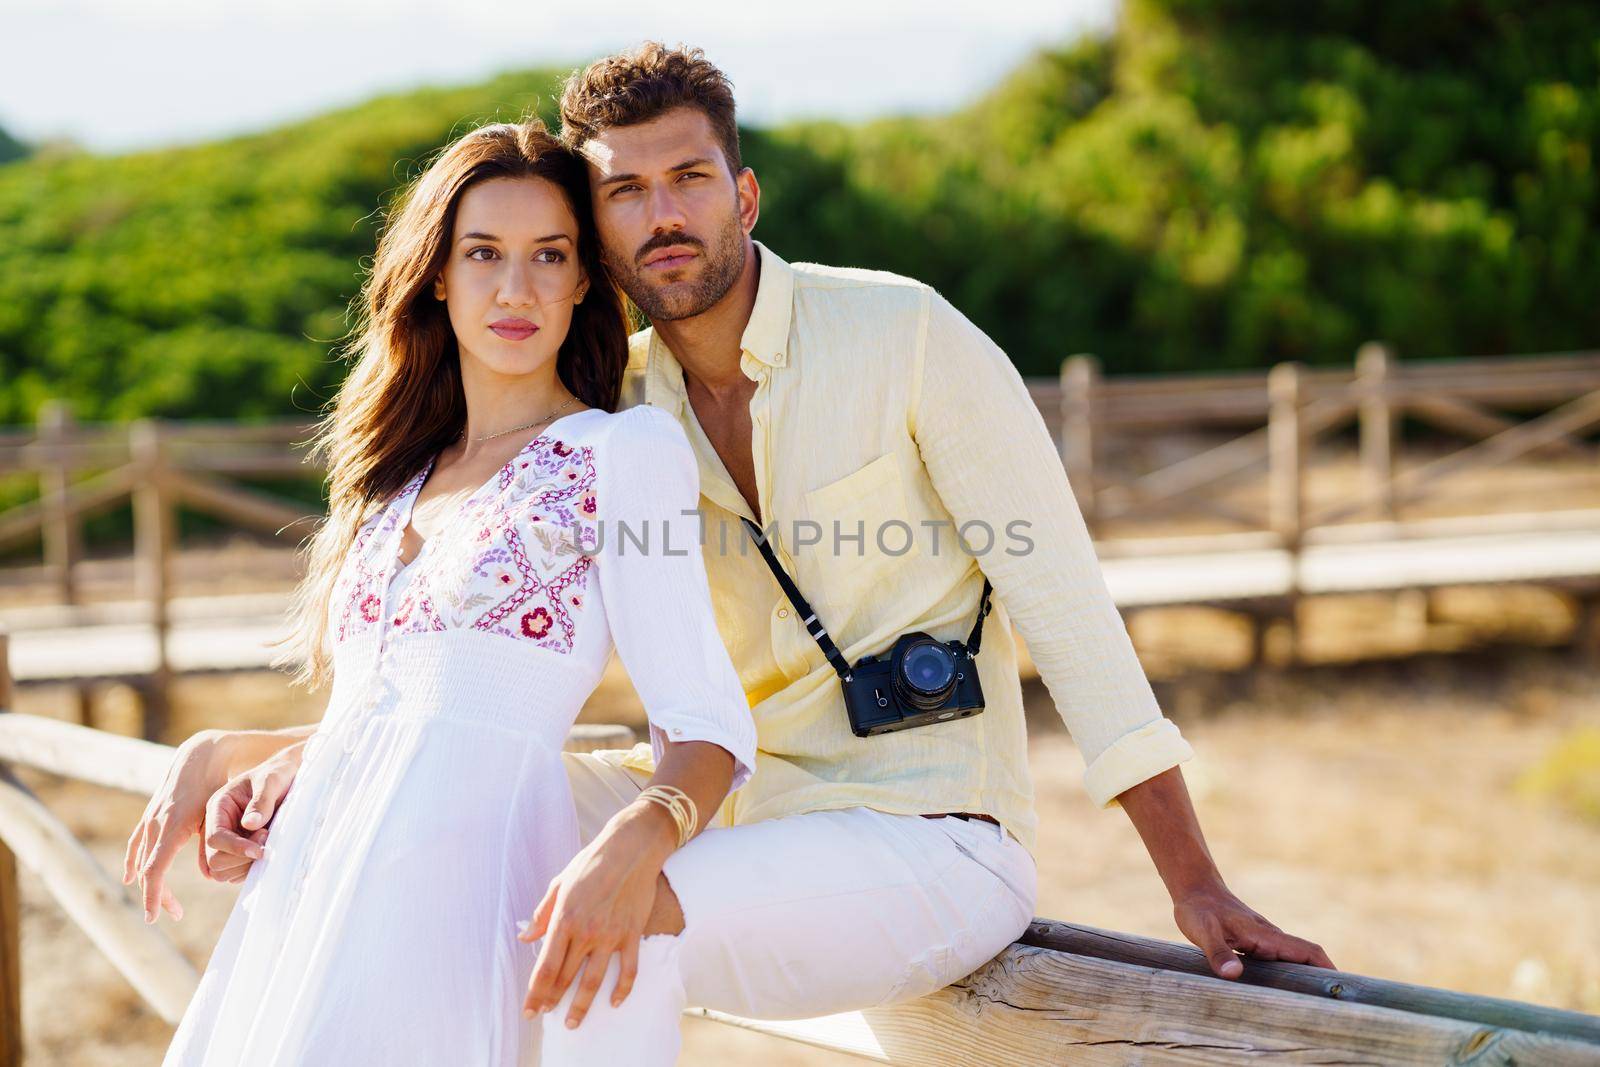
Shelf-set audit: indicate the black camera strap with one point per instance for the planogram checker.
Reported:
(813, 625)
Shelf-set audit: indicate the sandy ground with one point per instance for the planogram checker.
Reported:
(1390, 810)
(1378, 809)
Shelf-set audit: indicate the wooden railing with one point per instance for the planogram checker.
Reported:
(1063, 993)
(1290, 406)
(1277, 417)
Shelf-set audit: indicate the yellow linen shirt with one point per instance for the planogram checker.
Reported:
(877, 401)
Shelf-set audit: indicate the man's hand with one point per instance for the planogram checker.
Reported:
(1220, 924)
(174, 813)
(238, 814)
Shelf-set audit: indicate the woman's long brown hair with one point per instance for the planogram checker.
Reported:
(402, 400)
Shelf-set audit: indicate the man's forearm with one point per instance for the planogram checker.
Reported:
(243, 749)
(1160, 810)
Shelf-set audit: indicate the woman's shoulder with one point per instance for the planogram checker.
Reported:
(647, 455)
(644, 426)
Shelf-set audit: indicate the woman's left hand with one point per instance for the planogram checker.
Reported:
(596, 906)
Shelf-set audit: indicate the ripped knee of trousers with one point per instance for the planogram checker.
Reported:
(666, 914)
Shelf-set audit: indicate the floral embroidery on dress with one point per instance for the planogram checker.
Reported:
(508, 563)
(355, 593)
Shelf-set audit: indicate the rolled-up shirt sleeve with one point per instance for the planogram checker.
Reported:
(992, 460)
(653, 585)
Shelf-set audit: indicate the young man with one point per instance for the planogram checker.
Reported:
(891, 453)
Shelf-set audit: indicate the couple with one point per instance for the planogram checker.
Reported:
(516, 488)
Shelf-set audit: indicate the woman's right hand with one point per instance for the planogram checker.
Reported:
(174, 814)
(238, 815)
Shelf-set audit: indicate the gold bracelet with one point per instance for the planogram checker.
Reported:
(673, 809)
(685, 814)
(681, 807)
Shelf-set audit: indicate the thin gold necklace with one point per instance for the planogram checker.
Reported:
(514, 429)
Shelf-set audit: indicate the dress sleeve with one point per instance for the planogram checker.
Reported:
(657, 600)
(991, 459)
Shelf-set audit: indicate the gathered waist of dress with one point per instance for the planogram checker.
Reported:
(460, 676)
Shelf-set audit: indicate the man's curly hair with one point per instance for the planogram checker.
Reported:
(643, 83)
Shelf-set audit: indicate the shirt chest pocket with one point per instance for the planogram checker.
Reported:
(866, 537)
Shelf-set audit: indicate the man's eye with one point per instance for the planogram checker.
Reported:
(690, 174)
(473, 254)
(620, 189)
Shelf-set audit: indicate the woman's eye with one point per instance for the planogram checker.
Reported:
(473, 254)
(554, 255)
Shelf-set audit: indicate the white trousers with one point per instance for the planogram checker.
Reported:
(796, 917)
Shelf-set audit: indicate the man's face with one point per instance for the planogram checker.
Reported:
(671, 217)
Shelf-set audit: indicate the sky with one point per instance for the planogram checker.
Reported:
(119, 76)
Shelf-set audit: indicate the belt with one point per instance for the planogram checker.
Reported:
(964, 815)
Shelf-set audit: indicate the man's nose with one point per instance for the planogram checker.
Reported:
(666, 210)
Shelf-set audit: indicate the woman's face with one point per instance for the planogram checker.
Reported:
(512, 276)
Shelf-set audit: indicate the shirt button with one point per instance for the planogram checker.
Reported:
(677, 730)
(783, 613)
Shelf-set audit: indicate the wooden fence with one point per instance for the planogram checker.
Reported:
(1277, 419)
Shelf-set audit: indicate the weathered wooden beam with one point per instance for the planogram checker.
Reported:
(134, 765)
(1080, 376)
(1577, 414)
(1206, 470)
(250, 508)
(155, 535)
(1036, 1005)
(129, 764)
(83, 499)
(10, 914)
(1315, 981)
(99, 905)
(1474, 421)
(1378, 423)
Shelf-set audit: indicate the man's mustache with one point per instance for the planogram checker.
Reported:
(667, 240)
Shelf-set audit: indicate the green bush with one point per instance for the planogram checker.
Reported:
(1222, 183)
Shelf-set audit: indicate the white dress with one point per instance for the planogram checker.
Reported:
(432, 808)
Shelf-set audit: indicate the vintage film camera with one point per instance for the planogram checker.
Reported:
(918, 682)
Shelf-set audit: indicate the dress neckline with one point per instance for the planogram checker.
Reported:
(407, 502)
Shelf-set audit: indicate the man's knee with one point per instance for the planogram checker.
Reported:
(666, 914)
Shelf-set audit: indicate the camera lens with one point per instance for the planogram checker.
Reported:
(925, 674)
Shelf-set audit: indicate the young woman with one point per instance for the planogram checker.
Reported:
(495, 529)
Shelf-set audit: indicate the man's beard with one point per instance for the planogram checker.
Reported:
(724, 260)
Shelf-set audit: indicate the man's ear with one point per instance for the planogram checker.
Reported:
(749, 198)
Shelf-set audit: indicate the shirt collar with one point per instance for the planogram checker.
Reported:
(765, 338)
(766, 335)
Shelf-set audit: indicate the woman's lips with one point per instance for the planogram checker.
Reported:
(514, 331)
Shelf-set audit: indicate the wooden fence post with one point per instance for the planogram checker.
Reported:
(61, 540)
(1374, 369)
(1287, 440)
(1379, 418)
(10, 918)
(60, 528)
(1080, 379)
(154, 520)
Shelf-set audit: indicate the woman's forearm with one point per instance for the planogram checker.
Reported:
(701, 769)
